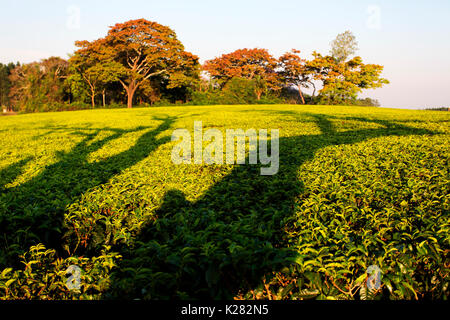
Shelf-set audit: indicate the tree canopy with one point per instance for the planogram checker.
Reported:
(342, 81)
(138, 50)
(143, 61)
(294, 72)
(38, 83)
(344, 46)
(5, 83)
(251, 64)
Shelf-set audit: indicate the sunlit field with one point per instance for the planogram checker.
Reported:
(356, 187)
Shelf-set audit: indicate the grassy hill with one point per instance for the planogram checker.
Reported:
(97, 189)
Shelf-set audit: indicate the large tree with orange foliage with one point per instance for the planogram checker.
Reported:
(252, 64)
(141, 49)
(294, 72)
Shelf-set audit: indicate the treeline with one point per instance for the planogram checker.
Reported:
(140, 62)
(438, 109)
(5, 83)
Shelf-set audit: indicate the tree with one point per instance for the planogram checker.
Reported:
(150, 92)
(37, 85)
(344, 46)
(250, 64)
(342, 81)
(5, 83)
(142, 49)
(294, 72)
(88, 64)
(239, 91)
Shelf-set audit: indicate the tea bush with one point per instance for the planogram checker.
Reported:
(357, 186)
(45, 276)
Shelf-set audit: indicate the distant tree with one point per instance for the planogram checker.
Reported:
(344, 46)
(368, 102)
(260, 85)
(78, 88)
(88, 64)
(294, 72)
(250, 64)
(342, 81)
(39, 83)
(239, 91)
(23, 83)
(150, 92)
(5, 83)
(55, 71)
(145, 49)
(438, 109)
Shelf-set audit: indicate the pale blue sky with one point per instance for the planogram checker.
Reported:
(410, 38)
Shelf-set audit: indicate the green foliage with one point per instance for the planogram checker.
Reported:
(389, 210)
(38, 86)
(240, 91)
(5, 83)
(236, 91)
(344, 46)
(367, 102)
(343, 80)
(44, 276)
(356, 187)
(209, 97)
(78, 87)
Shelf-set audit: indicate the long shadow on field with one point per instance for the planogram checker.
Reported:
(33, 212)
(231, 237)
(11, 172)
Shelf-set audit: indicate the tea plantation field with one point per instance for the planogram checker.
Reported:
(97, 189)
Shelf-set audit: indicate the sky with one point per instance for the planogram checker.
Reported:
(411, 39)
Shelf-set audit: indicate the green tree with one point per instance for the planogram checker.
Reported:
(87, 64)
(5, 83)
(344, 46)
(342, 81)
(240, 91)
(78, 88)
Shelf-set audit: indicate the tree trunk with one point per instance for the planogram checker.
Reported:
(130, 100)
(104, 100)
(301, 94)
(130, 92)
(92, 95)
(258, 94)
(93, 88)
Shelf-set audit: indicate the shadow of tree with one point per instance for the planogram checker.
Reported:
(234, 234)
(11, 172)
(33, 212)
